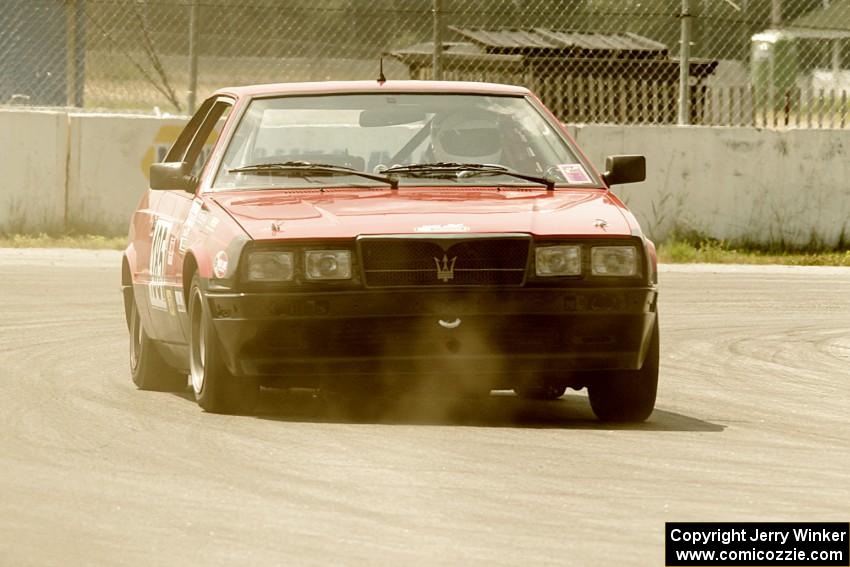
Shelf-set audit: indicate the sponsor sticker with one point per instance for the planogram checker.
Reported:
(210, 225)
(171, 245)
(178, 299)
(574, 173)
(220, 264)
(172, 304)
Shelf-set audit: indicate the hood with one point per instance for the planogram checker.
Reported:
(348, 213)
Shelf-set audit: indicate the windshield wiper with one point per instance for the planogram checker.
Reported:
(305, 168)
(441, 168)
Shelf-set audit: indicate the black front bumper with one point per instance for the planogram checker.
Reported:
(307, 336)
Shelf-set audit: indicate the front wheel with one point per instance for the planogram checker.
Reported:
(216, 389)
(627, 395)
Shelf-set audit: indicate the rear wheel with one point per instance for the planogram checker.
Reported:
(216, 389)
(147, 368)
(627, 395)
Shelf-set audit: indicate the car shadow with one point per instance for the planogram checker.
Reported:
(500, 409)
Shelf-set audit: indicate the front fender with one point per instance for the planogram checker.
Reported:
(208, 254)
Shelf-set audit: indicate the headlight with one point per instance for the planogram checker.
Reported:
(558, 260)
(328, 264)
(613, 260)
(271, 266)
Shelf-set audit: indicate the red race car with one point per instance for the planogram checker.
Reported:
(389, 235)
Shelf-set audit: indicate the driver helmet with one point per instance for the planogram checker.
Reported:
(466, 136)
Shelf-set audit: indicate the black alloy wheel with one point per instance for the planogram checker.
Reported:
(216, 389)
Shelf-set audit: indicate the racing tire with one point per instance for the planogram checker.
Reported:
(540, 391)
(216, 389)
(147, 368)
(627, 395)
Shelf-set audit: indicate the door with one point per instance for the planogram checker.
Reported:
(167, 215)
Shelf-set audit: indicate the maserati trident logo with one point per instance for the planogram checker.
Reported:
(445, 268)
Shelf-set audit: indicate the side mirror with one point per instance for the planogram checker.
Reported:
(172, 175)
(624, 169)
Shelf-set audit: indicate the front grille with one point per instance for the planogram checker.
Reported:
(490, 261)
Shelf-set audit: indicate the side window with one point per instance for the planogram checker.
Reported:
(197, 138)
(198, 152)
(178, 149)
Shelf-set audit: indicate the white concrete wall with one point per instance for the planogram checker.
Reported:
(109, 160)
(33, 155)
(734, 183)
(86, 172)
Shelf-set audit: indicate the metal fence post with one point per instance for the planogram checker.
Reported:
(193, 56)
(685, 66)
(80, 55)
(75, 42)
(437, 63)
(71, 51)
(776, 13)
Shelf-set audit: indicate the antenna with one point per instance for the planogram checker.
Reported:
(381, 78)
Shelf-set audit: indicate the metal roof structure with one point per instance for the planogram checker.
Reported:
(517, 40)
(775, 35)
(835, 17)
(474, 57)
(581, 76)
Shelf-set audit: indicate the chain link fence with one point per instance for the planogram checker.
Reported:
(764, 63)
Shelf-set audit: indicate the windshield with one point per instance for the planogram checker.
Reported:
(378, 132)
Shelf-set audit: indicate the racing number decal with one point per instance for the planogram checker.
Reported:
(159, 253)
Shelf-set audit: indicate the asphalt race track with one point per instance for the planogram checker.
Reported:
(751, 424)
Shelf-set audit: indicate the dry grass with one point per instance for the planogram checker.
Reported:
(718, 252)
